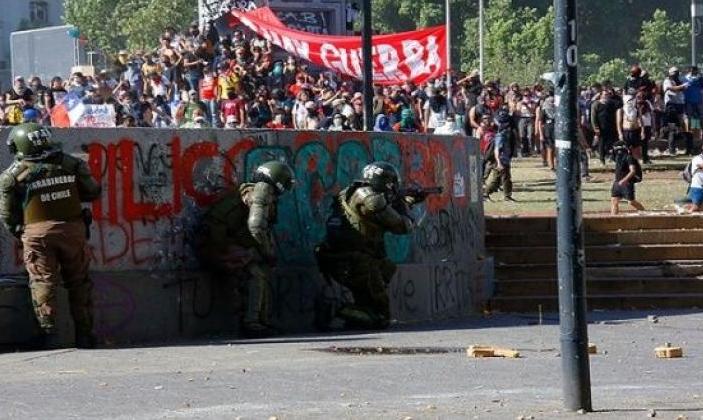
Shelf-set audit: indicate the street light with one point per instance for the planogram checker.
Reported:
(696, 15)
(368, 65)
(480, 39)
(448, 24)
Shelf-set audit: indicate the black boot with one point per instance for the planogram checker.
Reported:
(85, 341)
(259, 330)
(46, 340)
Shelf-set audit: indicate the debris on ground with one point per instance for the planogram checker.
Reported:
(668, 351)
(489, 351)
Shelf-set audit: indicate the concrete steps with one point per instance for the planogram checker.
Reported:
(628, 237)
(601, 254)
(547, 303)
(604, 287)
(632, 262)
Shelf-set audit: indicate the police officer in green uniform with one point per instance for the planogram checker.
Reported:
(237, 241)
(40, 203)
(353, 253)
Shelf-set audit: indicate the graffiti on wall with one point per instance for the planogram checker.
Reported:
(157, 184)
(156, 189)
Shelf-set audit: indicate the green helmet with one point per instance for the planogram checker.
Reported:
(31, 141)
(277, 174)
(382, 176)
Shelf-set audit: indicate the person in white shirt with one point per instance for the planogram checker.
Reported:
(674, 99)
(449, 128)
(695, 193)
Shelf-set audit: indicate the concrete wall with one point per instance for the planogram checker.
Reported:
(156, 183)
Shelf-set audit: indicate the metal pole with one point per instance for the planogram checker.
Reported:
(480, 39)
(201, 12)
(449, 48)
(694, 15)
(573, 328)
(367, 65)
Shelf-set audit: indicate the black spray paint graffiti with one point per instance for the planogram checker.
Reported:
(315, 22)
(445, 232)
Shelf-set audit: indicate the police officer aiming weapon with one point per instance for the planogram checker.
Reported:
(353, 252)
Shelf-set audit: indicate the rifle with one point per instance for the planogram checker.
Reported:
(419, 193)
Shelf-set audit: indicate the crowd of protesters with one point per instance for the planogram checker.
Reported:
(200, 79)
(196, 79)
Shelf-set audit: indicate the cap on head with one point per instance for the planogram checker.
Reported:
(673, 70)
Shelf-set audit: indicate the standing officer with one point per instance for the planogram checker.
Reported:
(353, 253)
(237, 240)
(40, 203)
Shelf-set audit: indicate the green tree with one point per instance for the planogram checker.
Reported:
(589, 64)
(663, 43)
(518, 42)
(614, 70)
(136, 24)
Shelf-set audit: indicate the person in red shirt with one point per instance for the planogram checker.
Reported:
(208, 94)
(234, 106)
(278, 121)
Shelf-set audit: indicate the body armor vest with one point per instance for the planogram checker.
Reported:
(50, 193)
(348, 231)
(226, 220)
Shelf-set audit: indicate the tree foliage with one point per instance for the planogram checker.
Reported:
(615, 70)
(663, 43)
(518, 42)
(519, 33)
(135, 24)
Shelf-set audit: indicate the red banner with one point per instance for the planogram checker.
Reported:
(415, 56)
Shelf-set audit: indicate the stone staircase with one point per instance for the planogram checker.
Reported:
(633, 262)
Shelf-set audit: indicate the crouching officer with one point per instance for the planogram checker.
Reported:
(40, 203)
(353, 252)
(236, 240)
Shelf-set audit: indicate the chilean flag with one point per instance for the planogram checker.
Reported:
(67, 111)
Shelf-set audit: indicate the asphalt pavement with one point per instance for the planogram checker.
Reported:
(293, 377)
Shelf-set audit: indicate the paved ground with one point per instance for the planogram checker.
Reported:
(287, 379)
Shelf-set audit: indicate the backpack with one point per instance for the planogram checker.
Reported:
(488, 146)
(686, 174)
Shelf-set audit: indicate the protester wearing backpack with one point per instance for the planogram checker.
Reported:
(546, 118)
(694, 175)
(497, 157)
(628, 172)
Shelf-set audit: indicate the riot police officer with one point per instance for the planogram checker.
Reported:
(40, 203)
(237, 240)
(353, 252)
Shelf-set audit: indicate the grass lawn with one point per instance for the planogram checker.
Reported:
(534, 187)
